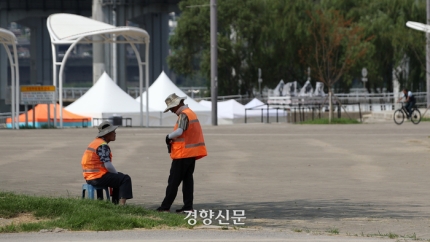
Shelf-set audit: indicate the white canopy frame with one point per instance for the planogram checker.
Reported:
(7, 38)
(72, 29)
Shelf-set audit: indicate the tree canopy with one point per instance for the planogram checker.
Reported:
(281, 38)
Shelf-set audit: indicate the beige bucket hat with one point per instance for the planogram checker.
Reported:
(105, 128)
(172, 101)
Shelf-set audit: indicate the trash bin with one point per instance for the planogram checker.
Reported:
(116, 120)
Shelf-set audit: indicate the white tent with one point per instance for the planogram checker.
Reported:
(106, 99)
(161, 89)
(229, 109)
(255, 107)
(254, 103)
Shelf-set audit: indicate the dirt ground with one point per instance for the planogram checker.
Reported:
(357, 180)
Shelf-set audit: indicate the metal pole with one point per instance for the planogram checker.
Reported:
(114, 75)
(13, 86)
(428, 55)
(34, 115)
(147, 81)
(17, 89)
(26, 115)
(214, 60)
(49, 114)
(54, 80)
(60, 75)
(98, 50)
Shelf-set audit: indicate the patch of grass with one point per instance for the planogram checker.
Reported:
(389, 235)
(333, 121)
(425, 119)
(297, 230)
(26, 127)
(333, 231)
(43, 126)
(81, 214)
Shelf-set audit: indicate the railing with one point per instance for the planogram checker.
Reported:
(73, 93)
(4, 116)
(98, 121)
(264, 112)
(223, 98)
(368, 101)
(304, 112)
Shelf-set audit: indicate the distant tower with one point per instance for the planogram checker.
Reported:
(98, 54)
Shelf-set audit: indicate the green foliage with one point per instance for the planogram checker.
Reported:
(333, 231)
(333, 121)
(80, 214)
(278, 36)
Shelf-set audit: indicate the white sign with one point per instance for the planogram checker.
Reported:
(364, 72)
(37, 94)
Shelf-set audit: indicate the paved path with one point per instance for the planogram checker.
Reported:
(358, 179)
(184, 236)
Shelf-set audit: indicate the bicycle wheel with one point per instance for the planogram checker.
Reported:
(399, 116)
(416, 116)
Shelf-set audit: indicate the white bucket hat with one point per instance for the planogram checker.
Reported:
(105, 128)
(172, 101)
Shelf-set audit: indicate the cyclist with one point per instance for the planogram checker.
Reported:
(409, 101)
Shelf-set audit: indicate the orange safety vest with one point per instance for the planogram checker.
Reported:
(92, 166)
(191, 142)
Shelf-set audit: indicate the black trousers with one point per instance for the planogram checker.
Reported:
(181, 171)
(121, 184)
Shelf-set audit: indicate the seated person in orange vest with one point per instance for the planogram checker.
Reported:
(98, 169)
(186, 145)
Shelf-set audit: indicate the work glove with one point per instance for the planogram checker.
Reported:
(168, 140)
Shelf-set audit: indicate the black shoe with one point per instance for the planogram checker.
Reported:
(160, 209)
(182, 210)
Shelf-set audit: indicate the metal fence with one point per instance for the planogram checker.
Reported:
(305, 112)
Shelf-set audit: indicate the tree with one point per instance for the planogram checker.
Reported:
(252, 34)
(276, 36)
(335, 45)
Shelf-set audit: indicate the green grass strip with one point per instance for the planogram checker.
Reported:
(81, 214)
(333, 121)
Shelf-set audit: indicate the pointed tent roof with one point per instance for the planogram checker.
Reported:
(161, 89)
(254, 103)
(104, 97)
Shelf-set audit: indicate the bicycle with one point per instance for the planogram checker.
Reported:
(399, 115)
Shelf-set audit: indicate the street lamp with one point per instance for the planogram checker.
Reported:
(260, 80)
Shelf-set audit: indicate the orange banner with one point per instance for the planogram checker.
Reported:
(37, 88)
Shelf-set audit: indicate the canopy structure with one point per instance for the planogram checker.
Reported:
(163, 87)
(227, 111)
(106, 99)
(7, 38)
(73, 29)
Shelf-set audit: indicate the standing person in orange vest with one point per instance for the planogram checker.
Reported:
(186, 145)
(98, 169)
